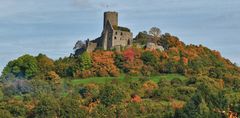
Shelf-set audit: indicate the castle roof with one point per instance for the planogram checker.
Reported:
(121, 28)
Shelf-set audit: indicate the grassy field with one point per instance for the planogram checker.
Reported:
(102, 80)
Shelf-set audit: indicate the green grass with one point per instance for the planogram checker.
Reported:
(167, 76)
(102, 80)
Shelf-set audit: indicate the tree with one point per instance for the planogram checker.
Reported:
(25, 66)
(154, 31)
(148, 58)
(52, 76)
(110, 94)
(70, 108)
(84, 61)
(48, 107)
(45, 64)
(119, 61)
(103, 63)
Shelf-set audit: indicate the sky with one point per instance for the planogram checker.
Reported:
(52, 27)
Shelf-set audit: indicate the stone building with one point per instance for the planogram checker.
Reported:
(113, 36)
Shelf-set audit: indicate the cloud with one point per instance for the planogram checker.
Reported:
(92, 4)
(82, 3)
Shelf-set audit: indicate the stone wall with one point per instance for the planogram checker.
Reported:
(112, 17)
(91, 46)
(121, 38)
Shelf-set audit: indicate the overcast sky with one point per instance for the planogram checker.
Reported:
(53, 26)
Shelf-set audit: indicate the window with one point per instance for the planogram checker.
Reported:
(121, 33)
(116, 33)
(129, 42)
(115, 37)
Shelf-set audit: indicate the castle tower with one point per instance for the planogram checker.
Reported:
(112, 17)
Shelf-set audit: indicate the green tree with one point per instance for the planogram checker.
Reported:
(25, 66)
(203, 104)
(48, 107)
(111, 94)
(84, 61)
(119, 61)
(148, 58)
(70, 108)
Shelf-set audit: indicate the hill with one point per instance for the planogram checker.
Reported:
(177, 80)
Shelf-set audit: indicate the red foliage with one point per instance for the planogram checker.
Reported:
(176, 58)
(129, 54)
(165, 55)
(185, 60)
(134, 67)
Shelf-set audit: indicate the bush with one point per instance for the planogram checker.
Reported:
(89, 91)
(48, 106)
(114, 73)
(110, 95)
(103, 73)
(70, 108)
(148, 58)
(5, 114)
(176, 82)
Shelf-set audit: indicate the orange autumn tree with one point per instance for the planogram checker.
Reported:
(103, 64)
(132, 62)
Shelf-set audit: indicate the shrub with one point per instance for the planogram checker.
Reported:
(90, 90)
(53, 77)
(110, 95)
(70, 108)
(102, 73)
(48, 106)
(176, 82)
(5, 114)
(148, 58)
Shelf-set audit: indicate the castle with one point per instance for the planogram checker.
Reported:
(113, 36)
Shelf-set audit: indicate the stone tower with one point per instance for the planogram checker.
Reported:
(112, 17)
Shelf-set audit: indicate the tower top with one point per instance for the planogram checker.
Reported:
(112, 17)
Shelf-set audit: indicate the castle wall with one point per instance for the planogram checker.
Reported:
(91, 46)
(121, 38)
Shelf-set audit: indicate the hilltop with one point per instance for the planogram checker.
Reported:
(153, 75)
(157, 73)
